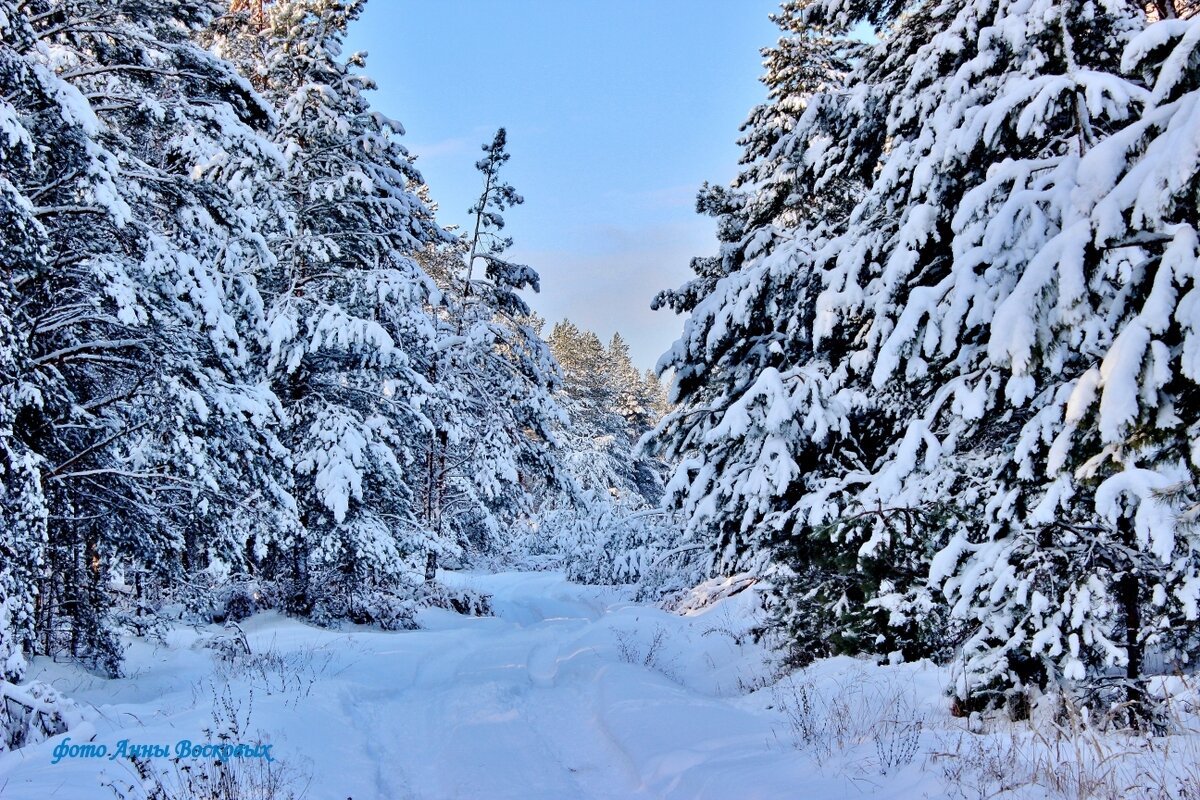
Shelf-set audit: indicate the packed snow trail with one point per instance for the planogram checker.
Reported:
(567, 692)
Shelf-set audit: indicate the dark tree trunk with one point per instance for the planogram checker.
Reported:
(1129, 595)
(1164, 9)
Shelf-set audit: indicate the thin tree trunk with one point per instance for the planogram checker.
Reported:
(433, 513)
(1129, 595)
(237, 6)
(483, 200)
(1165, 9)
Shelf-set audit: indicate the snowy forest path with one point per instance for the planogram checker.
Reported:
(567, 692)
(545, 699)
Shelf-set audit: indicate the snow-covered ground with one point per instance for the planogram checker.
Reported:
(568, 692)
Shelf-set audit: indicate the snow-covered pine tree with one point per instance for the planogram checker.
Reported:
(23, 508)
(23, 251)
(137, 300)
(610, 530)
(346, 311)
(626, 382)
(994, 279)
(761, 430)
(22, 502)
(655, 392)
(607, 410)
(998, 331)
(633, 405)
(588, 395)
(580, 355)
(1090, 562)
(493, 446)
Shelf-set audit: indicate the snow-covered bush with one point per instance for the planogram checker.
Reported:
(608, 543)
(601, 540)
(33, 713)
(214, 597)
(395, 607)
(390, 610)
(460, 599)
(228, 646)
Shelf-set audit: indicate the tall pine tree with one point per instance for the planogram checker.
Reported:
(136, 412)
(493, 448)
(347, 310)
(954, 402)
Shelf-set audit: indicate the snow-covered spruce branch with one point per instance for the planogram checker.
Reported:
(99, 445)
(85, 348)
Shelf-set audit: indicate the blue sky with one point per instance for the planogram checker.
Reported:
(617, 111)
